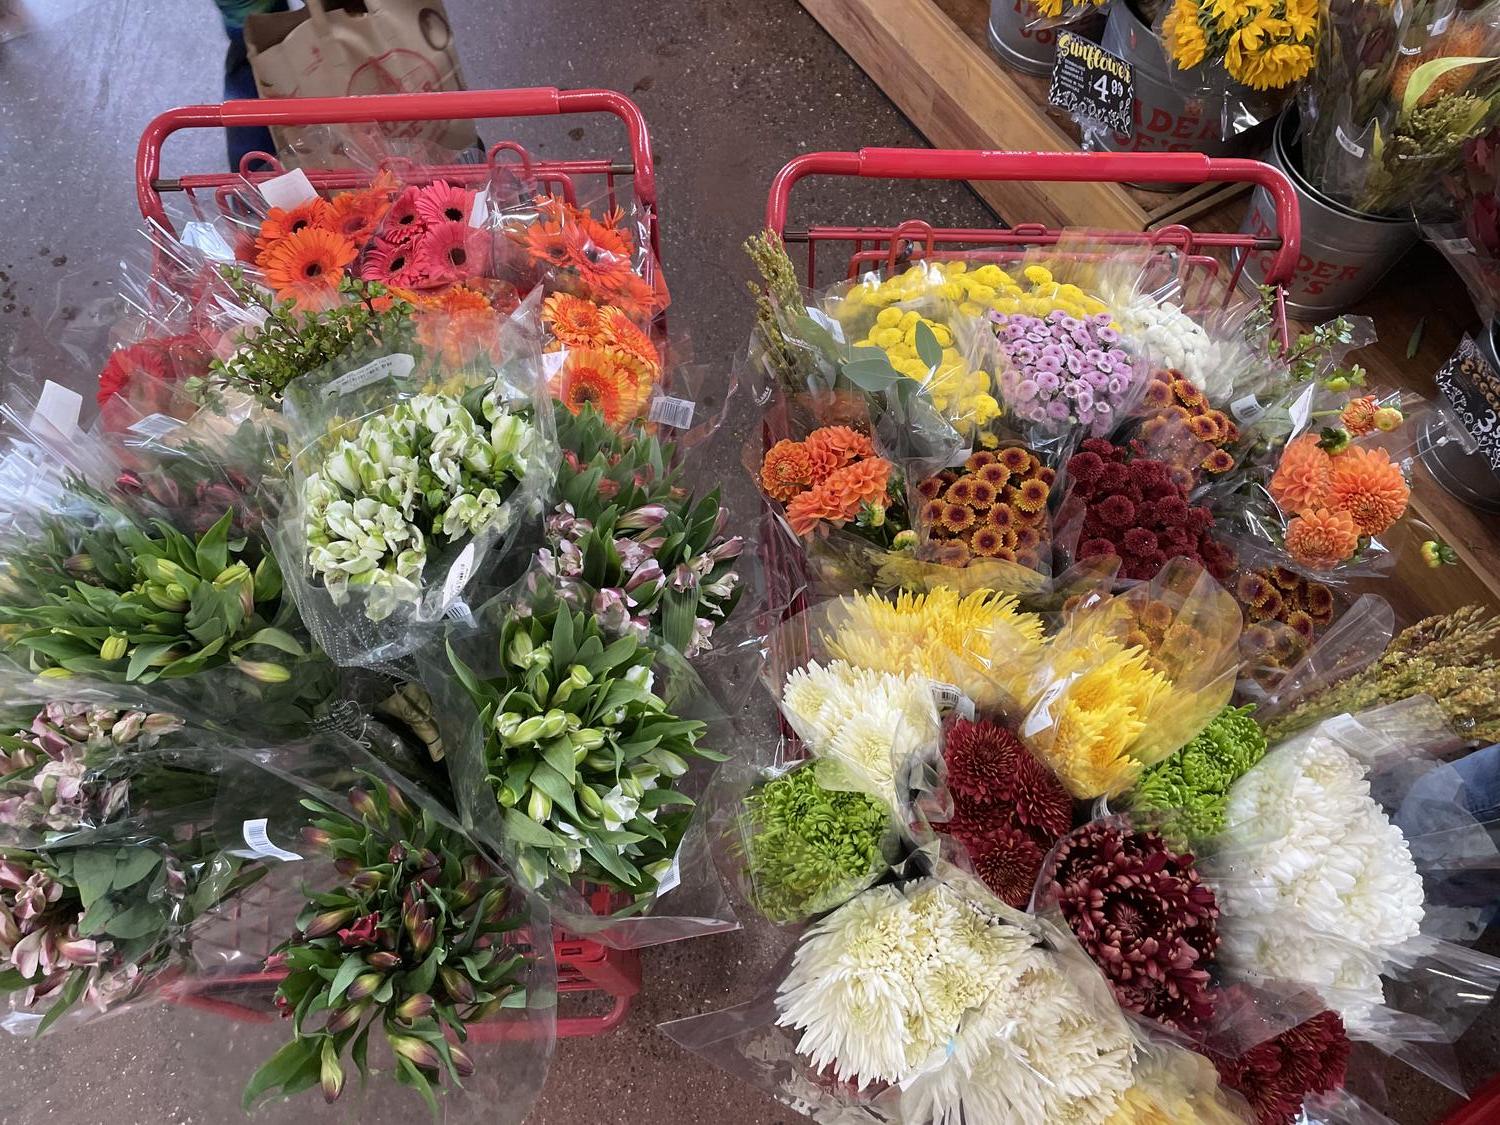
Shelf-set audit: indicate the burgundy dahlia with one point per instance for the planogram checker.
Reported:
(1276, 1076)
(1145, 917)
(1008, 808)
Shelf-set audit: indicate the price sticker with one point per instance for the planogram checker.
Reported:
(258, 840)
(674, 412)
(1092, 84)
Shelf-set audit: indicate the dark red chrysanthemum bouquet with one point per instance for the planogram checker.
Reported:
(1137, 509)
(1277, 1075)
(1145, 916)
(1008, 808)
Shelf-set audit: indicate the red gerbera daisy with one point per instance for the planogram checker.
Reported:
(402, 223)
(449, 252)
(393, 263)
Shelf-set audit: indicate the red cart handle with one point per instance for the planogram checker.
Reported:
(1102, 167)
(442, 105)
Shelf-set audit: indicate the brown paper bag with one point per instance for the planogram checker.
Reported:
(334, 48)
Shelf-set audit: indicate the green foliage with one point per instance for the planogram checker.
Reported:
(1191, 788)
(414, 946)
(808, 849)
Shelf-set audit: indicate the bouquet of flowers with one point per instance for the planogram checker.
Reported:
(1466, 227)
(1262, 44)
(1395, 95)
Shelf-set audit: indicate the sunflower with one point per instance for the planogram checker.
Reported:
(305, 267)
(442, 202)
(279, 223)
(461, 324)
(1364, 483)
(1322, 538)
(1184, 35)
(615, 383)
(573, 321)
(784, 471)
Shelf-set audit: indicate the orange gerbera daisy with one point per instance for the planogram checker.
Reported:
(460, 323)
(615, 383)
(282, 222)
(545, 243)
(1364, 483)
(785, 472)
(1301, 480)
(1358, 416)
(356, 214)
(1322, 538)
(622, 332)
(306, 267)
(573, 321)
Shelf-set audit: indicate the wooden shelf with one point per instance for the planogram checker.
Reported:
(932, 58)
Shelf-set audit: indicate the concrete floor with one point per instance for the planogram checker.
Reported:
(732, 90)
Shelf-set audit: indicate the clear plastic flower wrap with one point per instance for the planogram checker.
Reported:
(102, 586)
(928, 1002)
(1352, 865)
(1128, 679)
(581, 756)
(792, 842)
(402, 489)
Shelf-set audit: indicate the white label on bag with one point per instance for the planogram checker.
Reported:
(155, 425)
(397, 365)
(461, 613)
(1247, 409)
(1440, 25)
(458, 574)
(58, 407)
(206, 239)
(670, 878)
(950, 697)
(833, 327)
(258, 840)
(674, 412)
(289, 190)
(480, 212)
(1347, 143)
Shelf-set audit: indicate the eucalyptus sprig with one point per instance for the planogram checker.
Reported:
(367, 321)
(413, 947)
(581, 754)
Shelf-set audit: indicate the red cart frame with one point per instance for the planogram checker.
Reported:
(585, 968)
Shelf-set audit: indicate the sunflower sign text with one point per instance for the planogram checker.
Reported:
(1091, 83)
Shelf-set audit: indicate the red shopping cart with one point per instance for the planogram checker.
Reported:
(1196, 259)
(592, 975)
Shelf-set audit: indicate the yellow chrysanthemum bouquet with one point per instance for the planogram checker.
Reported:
(1128, 679)
(1263, 44)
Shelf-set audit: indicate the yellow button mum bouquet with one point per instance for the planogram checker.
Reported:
(1263, 44)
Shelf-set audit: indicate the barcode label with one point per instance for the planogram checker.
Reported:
(950, 697)
(258, 840)
(458, 574)
(460, 612)
(1247, 409)
(674, 412)
(397, 365)
(289, 190)
(155, 425)
(1347, 143)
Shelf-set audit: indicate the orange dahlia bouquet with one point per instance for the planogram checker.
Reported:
(833, 478)
(1338, 488)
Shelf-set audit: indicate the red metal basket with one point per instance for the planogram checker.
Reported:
(592, 974)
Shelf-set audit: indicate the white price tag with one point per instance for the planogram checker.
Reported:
(479, 214)
(674, 412)
(258, 840)
(397, 365)
(950, 697)
(1347, 143)
(669, 879)
(155, 426)
(458, 576)
(289, 190)
(58, 408)
(1247, 409)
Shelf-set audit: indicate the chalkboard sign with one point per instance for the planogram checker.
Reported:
(1472, 386)
(1092, 84)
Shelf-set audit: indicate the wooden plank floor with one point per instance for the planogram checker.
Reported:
(932, 58)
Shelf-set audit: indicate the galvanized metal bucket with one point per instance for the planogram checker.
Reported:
(1345, 252)
(1031, 50)
(1167, 118)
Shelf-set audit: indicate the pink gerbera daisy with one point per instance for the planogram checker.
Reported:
(394, 263)
(442, 202)
(449, 252)
(402, 223)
